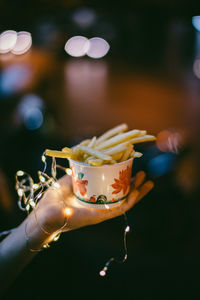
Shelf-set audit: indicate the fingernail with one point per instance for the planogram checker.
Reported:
(150, 184)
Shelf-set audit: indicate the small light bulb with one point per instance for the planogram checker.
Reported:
(20, 173)
(42, 179)
(68, 212)
(27, 207)
(43, 158)
(20, 192)
(35, 186)
(39, 196)
(127, 229)
(32, 203)
(68, 171)
(102, 273)
(56, 237)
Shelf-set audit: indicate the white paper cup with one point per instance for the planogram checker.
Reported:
(96, 186)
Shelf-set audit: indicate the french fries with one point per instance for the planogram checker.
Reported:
(116, 130)
(59, 154)
(115, 145)
(127, 153)
(120, 138)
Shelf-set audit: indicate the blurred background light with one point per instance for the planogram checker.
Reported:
(168, 141)
(29, 111)
(84, 17)
(29, 101)
(98, 47)
(14, 78)
(77, 46)
(33, 119)
(196, 68)
(23, 43)
(7, 41)
(161, 164)
(86, 81)
(196, 22)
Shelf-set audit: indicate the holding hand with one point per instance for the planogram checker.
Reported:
(59, 208)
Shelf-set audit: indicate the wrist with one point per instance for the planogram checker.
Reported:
(36, 236)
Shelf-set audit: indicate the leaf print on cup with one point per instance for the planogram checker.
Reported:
(79, 184)
(123, 182)
(93, 199)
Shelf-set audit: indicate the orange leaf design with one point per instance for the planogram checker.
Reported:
(123, 182)
(79, 184)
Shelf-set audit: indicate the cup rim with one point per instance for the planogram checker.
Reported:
(102, 166)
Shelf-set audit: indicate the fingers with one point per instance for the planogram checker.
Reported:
(118, 211)
(139, 179)
(131, 201)
(135, 196)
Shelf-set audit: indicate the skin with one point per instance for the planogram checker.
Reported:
(57, 211)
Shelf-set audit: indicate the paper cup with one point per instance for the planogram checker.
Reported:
(96, 186)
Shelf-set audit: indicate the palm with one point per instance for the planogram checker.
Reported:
(62, 207)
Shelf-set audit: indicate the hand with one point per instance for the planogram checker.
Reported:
(60, 209)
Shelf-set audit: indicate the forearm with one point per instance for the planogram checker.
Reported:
(15, 249)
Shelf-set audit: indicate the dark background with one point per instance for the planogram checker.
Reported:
(147, 80)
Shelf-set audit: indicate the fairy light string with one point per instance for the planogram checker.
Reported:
(30, 192)
(103, 272)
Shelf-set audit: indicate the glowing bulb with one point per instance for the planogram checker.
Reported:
(20, 173)
(27, 207)
(43, 158)
(35, 186)
(77, 46)
(68, 212)
(97, 48)
(7, 41)
(102, 273)
(56, 237)
(68, 171)
(42, 179)
(32, 203)
(20, 192)
(39, 196)
(127, 229)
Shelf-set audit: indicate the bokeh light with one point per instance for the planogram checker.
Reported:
(161, 164)
(14, 78)
(33, 119)
(23, 43)
(169, 141)
(196, 68)
(8, 40)
(98, 47)
(77, 46)
(29, 111)
(196, 22)
(84, 17)
(29, 101)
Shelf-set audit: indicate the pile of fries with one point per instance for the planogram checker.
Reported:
(114, 146)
